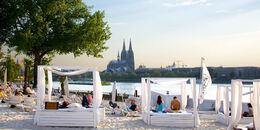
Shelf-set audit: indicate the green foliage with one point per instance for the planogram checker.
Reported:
(40, 29)
(12, 68)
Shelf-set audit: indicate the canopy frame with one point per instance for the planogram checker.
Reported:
(97, 87)
(146, 97)
(236, 100)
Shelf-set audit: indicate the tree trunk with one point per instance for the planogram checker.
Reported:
(26, 74)
(37, 61)
(62, 89)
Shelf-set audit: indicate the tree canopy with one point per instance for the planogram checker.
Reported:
(40, 29)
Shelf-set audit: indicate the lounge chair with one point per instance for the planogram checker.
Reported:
(29, 103)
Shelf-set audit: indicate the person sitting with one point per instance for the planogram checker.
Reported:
(2, 96)
(85, 102)
(250, 111)
(113, 105)
(89, 98)
(64, 104)
(133, 107)
(175, 104)
(159, 104)
(57, 91)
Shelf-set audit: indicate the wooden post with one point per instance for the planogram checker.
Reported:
(116, 96)
(135, 93)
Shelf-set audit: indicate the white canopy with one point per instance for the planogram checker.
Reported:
(146, 94)
(97, 87)
(236, 99)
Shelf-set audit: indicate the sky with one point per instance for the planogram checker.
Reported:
(224, 32)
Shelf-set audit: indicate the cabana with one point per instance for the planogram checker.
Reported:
(236, 102)
(183, 119)
(89, 117)
(223, 93)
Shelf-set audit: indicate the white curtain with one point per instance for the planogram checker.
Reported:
(99, 90)
(169, 81)
(218, 99)
(256, 104)
(195, 102)
(114, 92)
(40, 87)
(183, 96)
(77, 72)
(236, 99)
(49, 85)
(66, 86)
(226, 101)
(144, 100)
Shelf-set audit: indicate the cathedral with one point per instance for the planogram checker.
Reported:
(125, 63)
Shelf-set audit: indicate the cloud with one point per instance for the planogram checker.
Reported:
(188, 3)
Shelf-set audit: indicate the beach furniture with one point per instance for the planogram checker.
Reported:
(236, 102)
(84, 117)
(183, 119)
(127, 103)
(15, 100)
(28, 103)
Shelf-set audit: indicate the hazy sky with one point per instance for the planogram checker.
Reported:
(224, 32)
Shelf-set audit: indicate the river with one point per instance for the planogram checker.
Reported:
(129, 88)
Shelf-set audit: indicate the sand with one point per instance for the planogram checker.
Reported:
(12, 118)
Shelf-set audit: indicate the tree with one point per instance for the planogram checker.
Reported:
(44, 28)
(62, 79)
(12, 68)
(28, 64)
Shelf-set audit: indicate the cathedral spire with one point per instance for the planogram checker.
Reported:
(124, 53)
(130, 45)
(118, 57)
(124, 46)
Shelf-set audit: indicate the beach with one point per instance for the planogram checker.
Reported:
(13, 118)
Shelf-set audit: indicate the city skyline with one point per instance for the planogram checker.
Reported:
(225, 33)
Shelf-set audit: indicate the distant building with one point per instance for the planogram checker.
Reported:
(124, 64)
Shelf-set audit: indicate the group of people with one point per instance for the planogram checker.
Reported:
(86, 100)
(10, 90)
(175, 104)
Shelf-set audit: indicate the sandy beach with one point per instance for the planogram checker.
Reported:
(13, 118)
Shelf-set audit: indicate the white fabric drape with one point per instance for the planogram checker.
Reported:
(144, 100)
(40, 87)
(226, 102)
(256, 104)
(66, 86)
(99, 90)
(114, 92)
(148, 101)
(195, 102)
(183, 96)
(169, 81)
(218, 99)
(77, 72)
(49, 85)
(236, 97)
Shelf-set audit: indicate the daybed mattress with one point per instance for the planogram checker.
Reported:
(183, 113)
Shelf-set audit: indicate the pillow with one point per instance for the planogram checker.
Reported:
(74, 105)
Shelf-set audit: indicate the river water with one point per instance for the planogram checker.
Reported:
(129, 88)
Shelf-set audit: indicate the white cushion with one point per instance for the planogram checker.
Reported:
(74, 105)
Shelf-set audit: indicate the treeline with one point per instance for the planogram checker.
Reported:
(136, 77)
